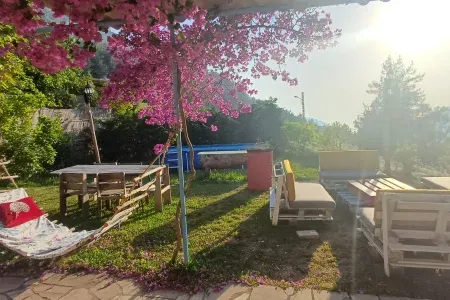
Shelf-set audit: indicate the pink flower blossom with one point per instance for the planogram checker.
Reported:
(214, 128)
(208, 52)
(158, 149)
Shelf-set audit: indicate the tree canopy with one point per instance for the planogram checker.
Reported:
(398, 117)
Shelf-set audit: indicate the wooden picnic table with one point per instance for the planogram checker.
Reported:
(442, 183)
(94, 170)
(366, 190)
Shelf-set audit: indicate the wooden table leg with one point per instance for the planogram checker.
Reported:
(167, 195)
(85, 206)
(158, 194)
(80, 201)
(62, 199)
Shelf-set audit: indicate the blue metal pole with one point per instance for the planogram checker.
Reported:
(184, 230)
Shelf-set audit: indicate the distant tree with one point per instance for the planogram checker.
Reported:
(389, 121)
(102, 64)
(432, 131)
(299, 136)
(335, 136)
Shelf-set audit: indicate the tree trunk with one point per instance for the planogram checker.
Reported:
(387, 164)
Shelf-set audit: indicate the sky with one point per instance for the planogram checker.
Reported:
(335, 80)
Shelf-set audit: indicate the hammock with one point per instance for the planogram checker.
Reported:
(44, 239)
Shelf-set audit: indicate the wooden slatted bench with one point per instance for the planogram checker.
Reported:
(409, 228)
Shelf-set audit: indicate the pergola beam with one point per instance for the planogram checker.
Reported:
(236, 7)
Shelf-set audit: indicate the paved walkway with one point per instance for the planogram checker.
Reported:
(101, 287)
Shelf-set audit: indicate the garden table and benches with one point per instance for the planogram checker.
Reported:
(83, 189)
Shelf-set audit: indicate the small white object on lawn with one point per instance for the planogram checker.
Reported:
(308, 234)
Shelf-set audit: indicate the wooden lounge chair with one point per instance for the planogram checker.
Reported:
(409, 228)
(292, 200)
(336, 167)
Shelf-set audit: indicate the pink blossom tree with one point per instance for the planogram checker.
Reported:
(205, 48)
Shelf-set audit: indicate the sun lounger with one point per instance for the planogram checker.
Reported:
(292, 200)
(336, 167)
(409, 228)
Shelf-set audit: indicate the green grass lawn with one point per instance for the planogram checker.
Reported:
(230, 238)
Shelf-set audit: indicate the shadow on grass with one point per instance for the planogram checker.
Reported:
(198, 215)
(340, 260)
(258, 248)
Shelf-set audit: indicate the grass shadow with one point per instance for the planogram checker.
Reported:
(200, 212)
(257, 247)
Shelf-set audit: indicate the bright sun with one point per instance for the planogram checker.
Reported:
(414, 26)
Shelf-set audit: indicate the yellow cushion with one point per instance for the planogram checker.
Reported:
(290, 180)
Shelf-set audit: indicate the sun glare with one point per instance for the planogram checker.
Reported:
(414, 26)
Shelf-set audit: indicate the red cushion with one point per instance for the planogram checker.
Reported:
(15, 213)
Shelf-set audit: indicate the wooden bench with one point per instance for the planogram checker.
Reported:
(409, 228)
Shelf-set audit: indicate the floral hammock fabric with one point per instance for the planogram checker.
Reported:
(40, 238)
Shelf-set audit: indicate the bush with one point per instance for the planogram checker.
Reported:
(31, 150)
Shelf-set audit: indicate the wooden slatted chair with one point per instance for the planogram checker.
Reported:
(75, 185)
(110, 187)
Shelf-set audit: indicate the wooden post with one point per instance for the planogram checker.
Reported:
(11, 178)
(167, 195)
(84, 197)
(276, 209)
(158, 194)
(93, 136)
(385, 232)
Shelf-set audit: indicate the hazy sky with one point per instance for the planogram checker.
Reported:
(335, 80)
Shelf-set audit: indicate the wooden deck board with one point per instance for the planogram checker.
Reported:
(375, 185)
(400, 184)
(365, 190)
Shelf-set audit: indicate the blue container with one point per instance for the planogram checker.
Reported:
(172, 160)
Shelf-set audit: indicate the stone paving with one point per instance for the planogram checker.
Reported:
(102, 287)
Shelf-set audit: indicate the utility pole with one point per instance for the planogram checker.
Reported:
(303, 104)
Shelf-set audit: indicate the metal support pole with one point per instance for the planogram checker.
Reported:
(303, 105)
(94, 137)
(184, 230)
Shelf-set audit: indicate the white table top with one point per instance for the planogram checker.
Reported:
(438, 182)
(222, 152)
(94, 169)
